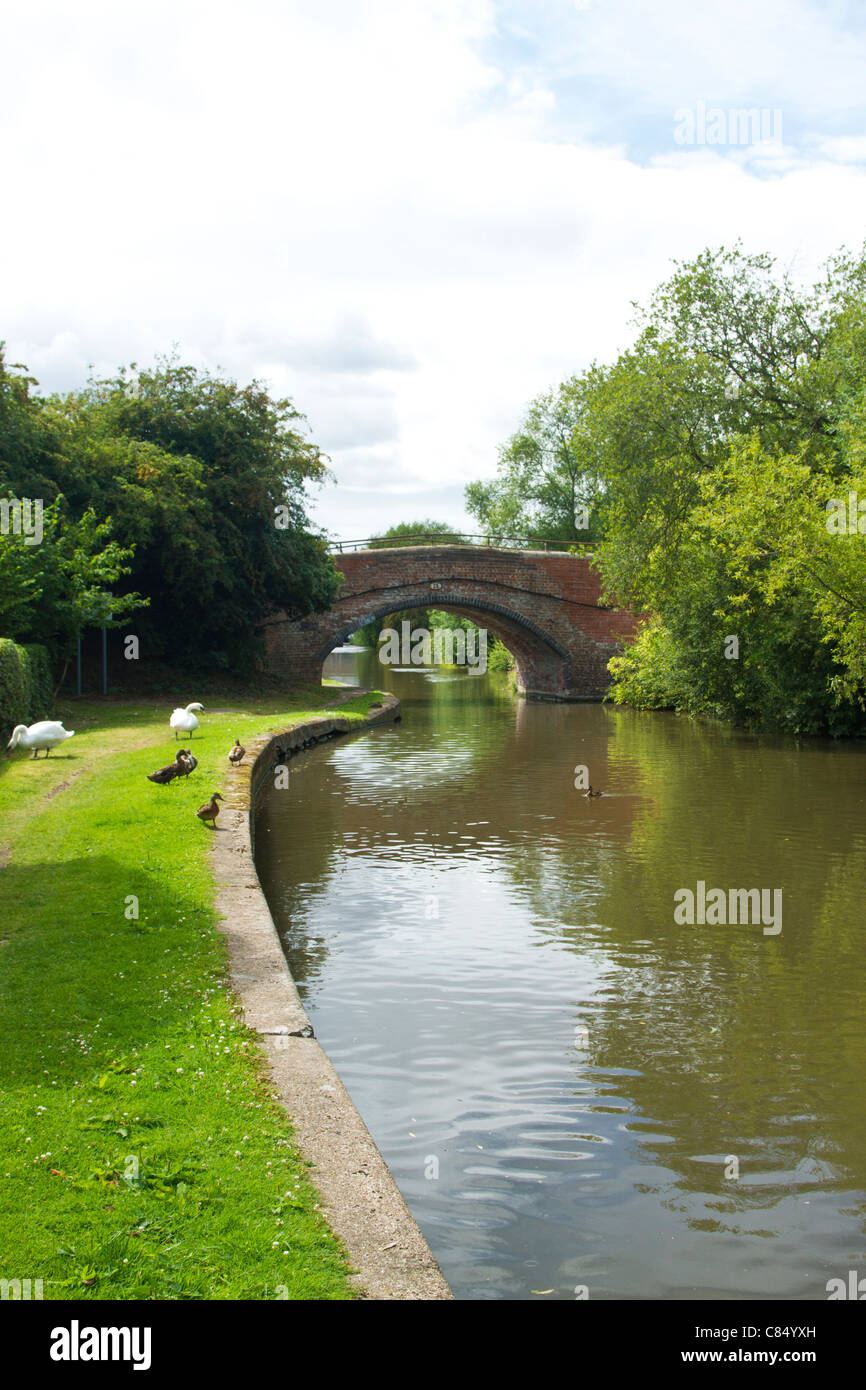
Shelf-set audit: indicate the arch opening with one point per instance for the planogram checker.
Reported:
(541, 662)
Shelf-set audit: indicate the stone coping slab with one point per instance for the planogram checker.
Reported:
(360, 1198)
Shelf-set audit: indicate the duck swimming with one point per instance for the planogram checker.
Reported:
(589, 792)
(46, 734)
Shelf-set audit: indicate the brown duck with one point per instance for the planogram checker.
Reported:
(236, 753)
(164, 775)
(209, 811)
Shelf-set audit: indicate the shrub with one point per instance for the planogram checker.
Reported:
(14, 686)
(648, 673)
(25, 685)
(499, 658)
(41, 695)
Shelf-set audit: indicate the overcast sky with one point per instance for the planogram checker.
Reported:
(411, 217)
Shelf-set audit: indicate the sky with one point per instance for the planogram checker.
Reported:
(409, 217)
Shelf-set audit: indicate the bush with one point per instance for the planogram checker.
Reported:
(649, 675)
(25, 685)
(499, 658)
(41, 682)
(14, 686)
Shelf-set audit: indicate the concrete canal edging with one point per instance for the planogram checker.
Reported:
(361, 1200)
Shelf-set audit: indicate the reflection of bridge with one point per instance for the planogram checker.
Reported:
(545, 608)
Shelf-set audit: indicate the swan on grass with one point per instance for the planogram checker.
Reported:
(184, 720)
(46, 734)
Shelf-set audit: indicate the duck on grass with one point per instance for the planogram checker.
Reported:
(210, 810)
(182, 766)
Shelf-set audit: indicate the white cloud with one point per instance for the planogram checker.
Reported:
(410, 218)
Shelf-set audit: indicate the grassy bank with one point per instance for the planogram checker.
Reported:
(142, 1154)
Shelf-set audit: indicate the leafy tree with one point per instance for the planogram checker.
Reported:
(27, 442)
(717, 441)
(52, 591)
(204, 479)
(416, 533)
(726, 351)
(549, 485)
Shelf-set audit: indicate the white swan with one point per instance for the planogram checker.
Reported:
(47, 734)
(183, 720)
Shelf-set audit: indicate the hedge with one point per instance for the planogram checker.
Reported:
(25, 685)
(41, 683)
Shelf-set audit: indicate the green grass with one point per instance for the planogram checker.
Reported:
(142, 1151)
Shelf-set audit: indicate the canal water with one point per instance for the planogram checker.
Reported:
(577, 1093)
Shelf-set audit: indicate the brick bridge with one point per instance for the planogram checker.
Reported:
(544, 607)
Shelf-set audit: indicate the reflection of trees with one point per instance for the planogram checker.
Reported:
(734, 1042)
(725, 1041)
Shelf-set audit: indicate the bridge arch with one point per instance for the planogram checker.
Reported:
(531, 647)
(545, 608)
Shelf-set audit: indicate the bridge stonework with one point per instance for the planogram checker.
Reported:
(545, 607)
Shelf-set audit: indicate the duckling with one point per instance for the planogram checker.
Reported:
(236, 754)
(210, 810)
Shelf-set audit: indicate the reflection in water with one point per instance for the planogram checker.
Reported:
(564, 1081)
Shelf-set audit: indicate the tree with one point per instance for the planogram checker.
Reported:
(717, 441)
(416, 533)
(549, 486)
(50, 592)
(205, 480)
(726, 351)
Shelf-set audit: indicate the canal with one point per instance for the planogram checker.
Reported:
(579, 1094)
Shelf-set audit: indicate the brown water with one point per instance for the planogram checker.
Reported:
(559, 1075)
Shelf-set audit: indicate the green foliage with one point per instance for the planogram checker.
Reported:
(648, 673)
(25, 685)
(64, 584)
(727, 353)
(430, 618)
(714, 445)
(41, 693)
(205, 479)
(499, 658)
(416, 533)
(13, 686)
(171, 488)
(549, 486)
